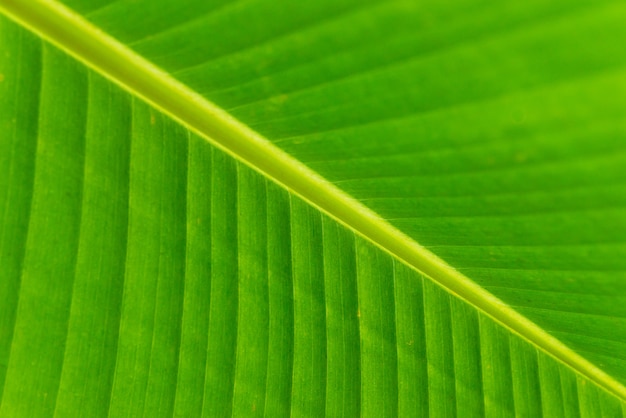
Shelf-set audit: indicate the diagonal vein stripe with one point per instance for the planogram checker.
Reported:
(96, 49)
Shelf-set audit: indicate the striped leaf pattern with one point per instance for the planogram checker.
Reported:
(146, 272)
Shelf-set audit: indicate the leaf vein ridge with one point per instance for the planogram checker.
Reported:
(85, 42)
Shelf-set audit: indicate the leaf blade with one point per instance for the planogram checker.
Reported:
(474, 292)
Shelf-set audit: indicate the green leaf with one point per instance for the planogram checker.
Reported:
(342, 208)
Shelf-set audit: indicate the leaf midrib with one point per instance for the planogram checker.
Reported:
(70, 32)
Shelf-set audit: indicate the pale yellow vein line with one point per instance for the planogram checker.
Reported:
(70, 32)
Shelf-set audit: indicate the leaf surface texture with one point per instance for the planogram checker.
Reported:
(148, 273)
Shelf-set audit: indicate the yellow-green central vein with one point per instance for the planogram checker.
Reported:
(70, 32)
